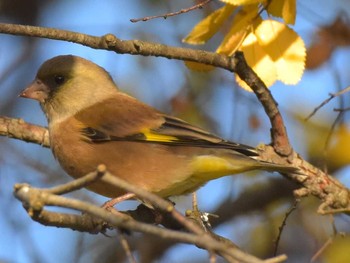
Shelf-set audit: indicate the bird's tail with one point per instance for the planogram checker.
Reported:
(272, 167)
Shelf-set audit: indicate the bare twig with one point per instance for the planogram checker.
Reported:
(331, 96)
(329, 136)
(79, 183)
(280, 229)
(337, 120)
(165, 16)
(124, 242)
(342, 109)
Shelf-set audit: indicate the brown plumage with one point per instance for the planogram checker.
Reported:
(91, 122)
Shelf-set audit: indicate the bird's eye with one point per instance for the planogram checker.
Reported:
(59, 79)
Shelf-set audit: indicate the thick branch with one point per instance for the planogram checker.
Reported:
(112, 43)
(279, 135)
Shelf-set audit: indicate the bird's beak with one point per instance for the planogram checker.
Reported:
(36, 91)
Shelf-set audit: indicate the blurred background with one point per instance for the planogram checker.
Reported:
(251, 207)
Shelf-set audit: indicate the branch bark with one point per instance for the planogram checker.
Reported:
(35, 200)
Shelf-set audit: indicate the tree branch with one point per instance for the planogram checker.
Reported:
(18, 129)
(112, 43)
(279, 135)
(35, 200)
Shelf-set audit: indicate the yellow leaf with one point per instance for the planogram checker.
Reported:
(284, 47)
(232, 43)
(242, 2)
(258, 60)
(198, 66)
(208, 27)
(338, 151)
(239, 28)
(285, 9)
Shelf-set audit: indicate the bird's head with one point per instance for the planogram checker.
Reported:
(66, 84)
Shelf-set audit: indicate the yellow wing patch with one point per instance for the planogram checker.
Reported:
(156, 137)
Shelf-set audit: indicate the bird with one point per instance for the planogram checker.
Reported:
(92, 122)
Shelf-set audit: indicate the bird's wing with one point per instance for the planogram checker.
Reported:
(108, 121)
(189, 135)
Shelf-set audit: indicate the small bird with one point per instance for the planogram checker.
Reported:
(91, 122)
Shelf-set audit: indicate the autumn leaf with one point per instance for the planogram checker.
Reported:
(239, 29)
(260, 62)
(209, 26)
(285, 9)
(272, 49)
(242, 2)
(326, 41)
(285, 48)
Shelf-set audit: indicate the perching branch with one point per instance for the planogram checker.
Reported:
(35, 201)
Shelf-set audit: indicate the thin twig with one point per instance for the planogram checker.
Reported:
(342, 109)
(280, 229)
(331, 96)
(330, 133)
(165, 16)
(78, 183)
(125, 244)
